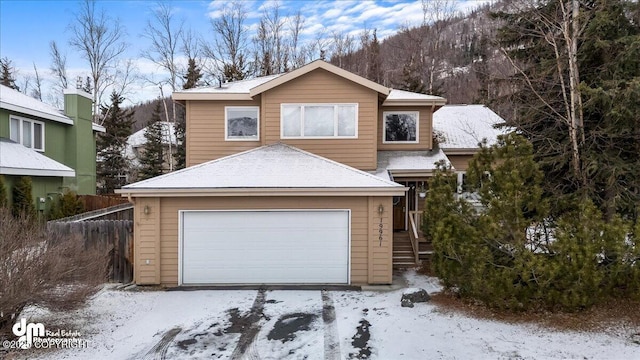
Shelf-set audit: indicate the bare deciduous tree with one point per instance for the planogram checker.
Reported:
(37, 90)
(296, 49)
(100, 41)
(58, 66)
(436, 16)
(229, 47)
(561, 31)
(165, 34)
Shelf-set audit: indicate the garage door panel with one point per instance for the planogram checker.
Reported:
(229, 247)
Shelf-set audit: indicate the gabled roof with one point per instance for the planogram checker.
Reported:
(247, 89)
(463, 127)
(319, 64)
(14, 100)
(276, 169)
(16, 159)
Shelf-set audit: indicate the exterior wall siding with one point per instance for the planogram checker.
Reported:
(156, 234)
(146, 263)
(460, 162)
(72, 145)
(320, 86)
(205, 131)
(425, 128)
(205, 124)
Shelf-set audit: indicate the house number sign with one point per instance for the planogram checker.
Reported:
(380, 231)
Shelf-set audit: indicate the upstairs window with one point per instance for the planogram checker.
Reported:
(400, 127)
(319, 121)
(242, 123)
(27, 132)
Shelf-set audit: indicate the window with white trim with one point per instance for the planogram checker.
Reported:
(27, 132)
(242, 123)
(400, 127)
(318, 121)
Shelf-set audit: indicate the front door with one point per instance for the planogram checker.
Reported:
(399, 209)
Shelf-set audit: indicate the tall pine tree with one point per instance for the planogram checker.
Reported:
(152, 159)
(577, 83)
(23, 203)
(7, 74)
(112, 166)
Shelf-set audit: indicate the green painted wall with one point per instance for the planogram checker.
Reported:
(46, 188)
(72, 145)
(81, 143)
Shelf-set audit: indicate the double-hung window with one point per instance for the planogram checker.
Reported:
(400, 127)
(319, 121)
(27, 132)
(242, 123)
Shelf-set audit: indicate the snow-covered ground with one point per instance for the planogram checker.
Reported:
(279, 324)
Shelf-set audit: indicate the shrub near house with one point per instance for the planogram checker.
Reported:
(511, 254)
(52, 271)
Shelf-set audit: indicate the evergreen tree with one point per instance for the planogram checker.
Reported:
(193, 75)
(23, 203)
(609, 60)
(4, 202)
(152, 159)
(599, 153)
(180, 131)
(512, 253)
(7, 74)
(411, 79)
(112, 166)
(68, 204)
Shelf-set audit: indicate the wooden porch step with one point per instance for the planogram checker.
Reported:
(403, 265)
(403, 256)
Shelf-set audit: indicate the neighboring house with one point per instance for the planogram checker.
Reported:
(136, 146)
(459, 129)
(57, 148)
(298, 178)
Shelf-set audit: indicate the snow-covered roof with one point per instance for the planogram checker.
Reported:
(234, 87)
(401, 163)
(403, 96)
(14, 100)
(247, 89)
(168, 131)
(16, 159)
(275, 166)
(464, 126)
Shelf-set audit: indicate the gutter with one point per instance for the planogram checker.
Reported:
(191, 192)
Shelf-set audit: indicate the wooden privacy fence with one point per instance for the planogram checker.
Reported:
(96, 202)
(114, 235)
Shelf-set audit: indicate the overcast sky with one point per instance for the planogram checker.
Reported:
(27, 27)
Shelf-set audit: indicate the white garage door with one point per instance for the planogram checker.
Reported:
(265, 247)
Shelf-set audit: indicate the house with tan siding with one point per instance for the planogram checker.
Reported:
(298, 178)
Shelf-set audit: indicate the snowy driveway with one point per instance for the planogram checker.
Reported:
(280, 324)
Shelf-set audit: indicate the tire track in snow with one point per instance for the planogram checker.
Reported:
(246, 349)
(331, 342)
(159, 350)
